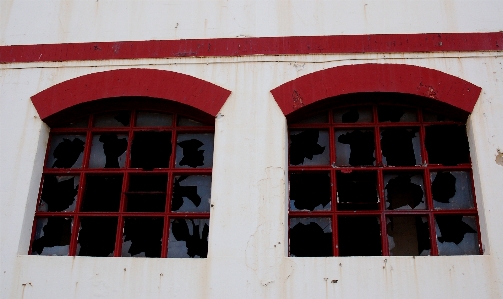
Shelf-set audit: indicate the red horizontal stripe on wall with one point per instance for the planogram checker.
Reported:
(291, 45)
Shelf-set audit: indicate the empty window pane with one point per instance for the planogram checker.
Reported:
(151, 150)
(408, 235)
(400, 147)
(357, 191)
(447, 144)
(102, 193)
(97, 236)
(359, 236)
(310, 191)
(310, 237)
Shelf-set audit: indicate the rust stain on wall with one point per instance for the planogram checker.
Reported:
(297, 100)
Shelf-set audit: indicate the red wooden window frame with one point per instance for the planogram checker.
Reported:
(125, 172)
(382, 212)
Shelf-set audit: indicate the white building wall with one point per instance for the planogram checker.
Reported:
(248, 231)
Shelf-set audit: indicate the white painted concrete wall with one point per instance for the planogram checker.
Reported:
(248, 234)
(50, 21)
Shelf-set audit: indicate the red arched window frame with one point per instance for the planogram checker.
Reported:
(184, 108)
(347, 87)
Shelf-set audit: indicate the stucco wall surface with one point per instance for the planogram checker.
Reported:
(50, 21)
(248, 229)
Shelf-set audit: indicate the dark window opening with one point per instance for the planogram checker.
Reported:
(126, 183)
(372, 179)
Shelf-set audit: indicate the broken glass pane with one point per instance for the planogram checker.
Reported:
(150, 150)
(188, 238)
(408, 235)
(354, 147)
(353, 115)
(108, 151)
(447, 144)
(52, 236)
(309, 147)
(116, 119)
(456, 235)
(194, 150)
(191, 193)
(357, 191)
(404, 191)
(147, 193)
(451, 190)
(102, 193)
(66, 151)
(310, 191)
(310, 237)
(359, 236)
(396, 114)
(97, 236)
(153, 119)
(319, 118)
(186, 122)
(142, 237)
(400, 147)
(59, 193)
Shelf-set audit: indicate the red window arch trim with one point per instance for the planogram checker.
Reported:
(400, 78)
(160, 84)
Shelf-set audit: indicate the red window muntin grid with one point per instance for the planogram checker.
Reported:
(421, 123)
(193, 125)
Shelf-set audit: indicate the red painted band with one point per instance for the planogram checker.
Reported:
(399, 78)
(291, 45)
(166, 85)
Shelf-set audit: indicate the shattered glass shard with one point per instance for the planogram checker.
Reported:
(59, 193)
(309, 144)
(52, 236)
(67, 151)
(361, 148)
(192, 155)
(108, 151)
(401, 192)
(196, 189)
(188, 238)
(194, 150)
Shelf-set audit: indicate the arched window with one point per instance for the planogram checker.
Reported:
(128, 165)
(126, 182)
(370, 175)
